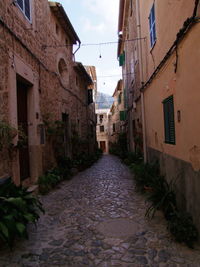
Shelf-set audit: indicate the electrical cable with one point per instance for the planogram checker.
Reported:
(95, 44)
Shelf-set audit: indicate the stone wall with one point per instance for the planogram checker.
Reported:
(32, 52)
(187, 181)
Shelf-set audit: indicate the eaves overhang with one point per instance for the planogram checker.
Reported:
(64, 21)
(78, 66)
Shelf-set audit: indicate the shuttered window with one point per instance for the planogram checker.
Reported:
(101, 128)
(122, 59)
(90, 96)
(169, 124)
(122, 115)
(25, 8)
(20, 4)
(152, 26)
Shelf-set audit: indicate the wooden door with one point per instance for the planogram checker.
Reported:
(65, 120)
(103, 146)
(22, 115)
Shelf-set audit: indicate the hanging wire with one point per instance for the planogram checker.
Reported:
(96, 44)
(99, 50)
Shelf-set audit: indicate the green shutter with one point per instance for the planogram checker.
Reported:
(122, 59)
(122, 115)
(120, 98)
(169, 124)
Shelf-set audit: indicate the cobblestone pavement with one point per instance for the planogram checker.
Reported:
(97, 219)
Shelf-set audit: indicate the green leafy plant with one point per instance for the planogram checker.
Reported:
(146, 175)
(120, 147)
(48, 181)
(133, 157)
(162, 196)
(7, 133)
(17, 208)
(182, 227)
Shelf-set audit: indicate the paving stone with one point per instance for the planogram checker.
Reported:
(137, 251)
(56, 242)
(141, 260)
(68, 233)
(163, 255)
(152, 253)
(95, 251)
(128, 258)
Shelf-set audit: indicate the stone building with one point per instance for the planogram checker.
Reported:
(92, 95)
(103, 129)
(117, 114)
(129, 50)
(169, 89)
(42, 88)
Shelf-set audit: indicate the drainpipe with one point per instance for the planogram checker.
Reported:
(79, 45)
(142, 80)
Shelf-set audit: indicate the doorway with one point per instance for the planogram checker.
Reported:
(103, 146)
(65, 120)
(22, 120)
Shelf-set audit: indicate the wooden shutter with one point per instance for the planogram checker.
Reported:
(152, 25)
(122, 115)
(90, 96)
(20, 3)
(122, 59)
(169, 124)
(27, 9)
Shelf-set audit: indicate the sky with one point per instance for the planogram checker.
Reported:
(96, 21)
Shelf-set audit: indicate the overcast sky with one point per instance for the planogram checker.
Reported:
(96, 21)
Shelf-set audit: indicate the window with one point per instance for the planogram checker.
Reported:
(101, 118)
(76, 80)
(134, 127)
(42, 134)
(122, 115)
(131, 7)
(91, 131)
(122, 59)
(119, 98)
(113, 127)
(90, 96)
(25, 7)
(57, 29)
(152, 26)
(168, 108)
(102, 128)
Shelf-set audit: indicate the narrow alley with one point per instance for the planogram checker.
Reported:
(97, 219)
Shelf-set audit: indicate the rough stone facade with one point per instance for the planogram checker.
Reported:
(103, 129)
(129, 49)
(39, 78)
(117, 114)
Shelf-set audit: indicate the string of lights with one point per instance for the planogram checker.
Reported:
(116, 75)
(95, 44)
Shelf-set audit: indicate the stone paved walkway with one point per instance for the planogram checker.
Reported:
(97, 219)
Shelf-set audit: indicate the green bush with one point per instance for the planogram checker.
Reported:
(182, 227)
(133, 157)
(120, 147)
(48, 181)
(17, 208)
(161, 196)
(146, 175)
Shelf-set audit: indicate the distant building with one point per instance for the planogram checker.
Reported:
(117, 116)
(129, 52)
(92, 96)
(102, 129)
